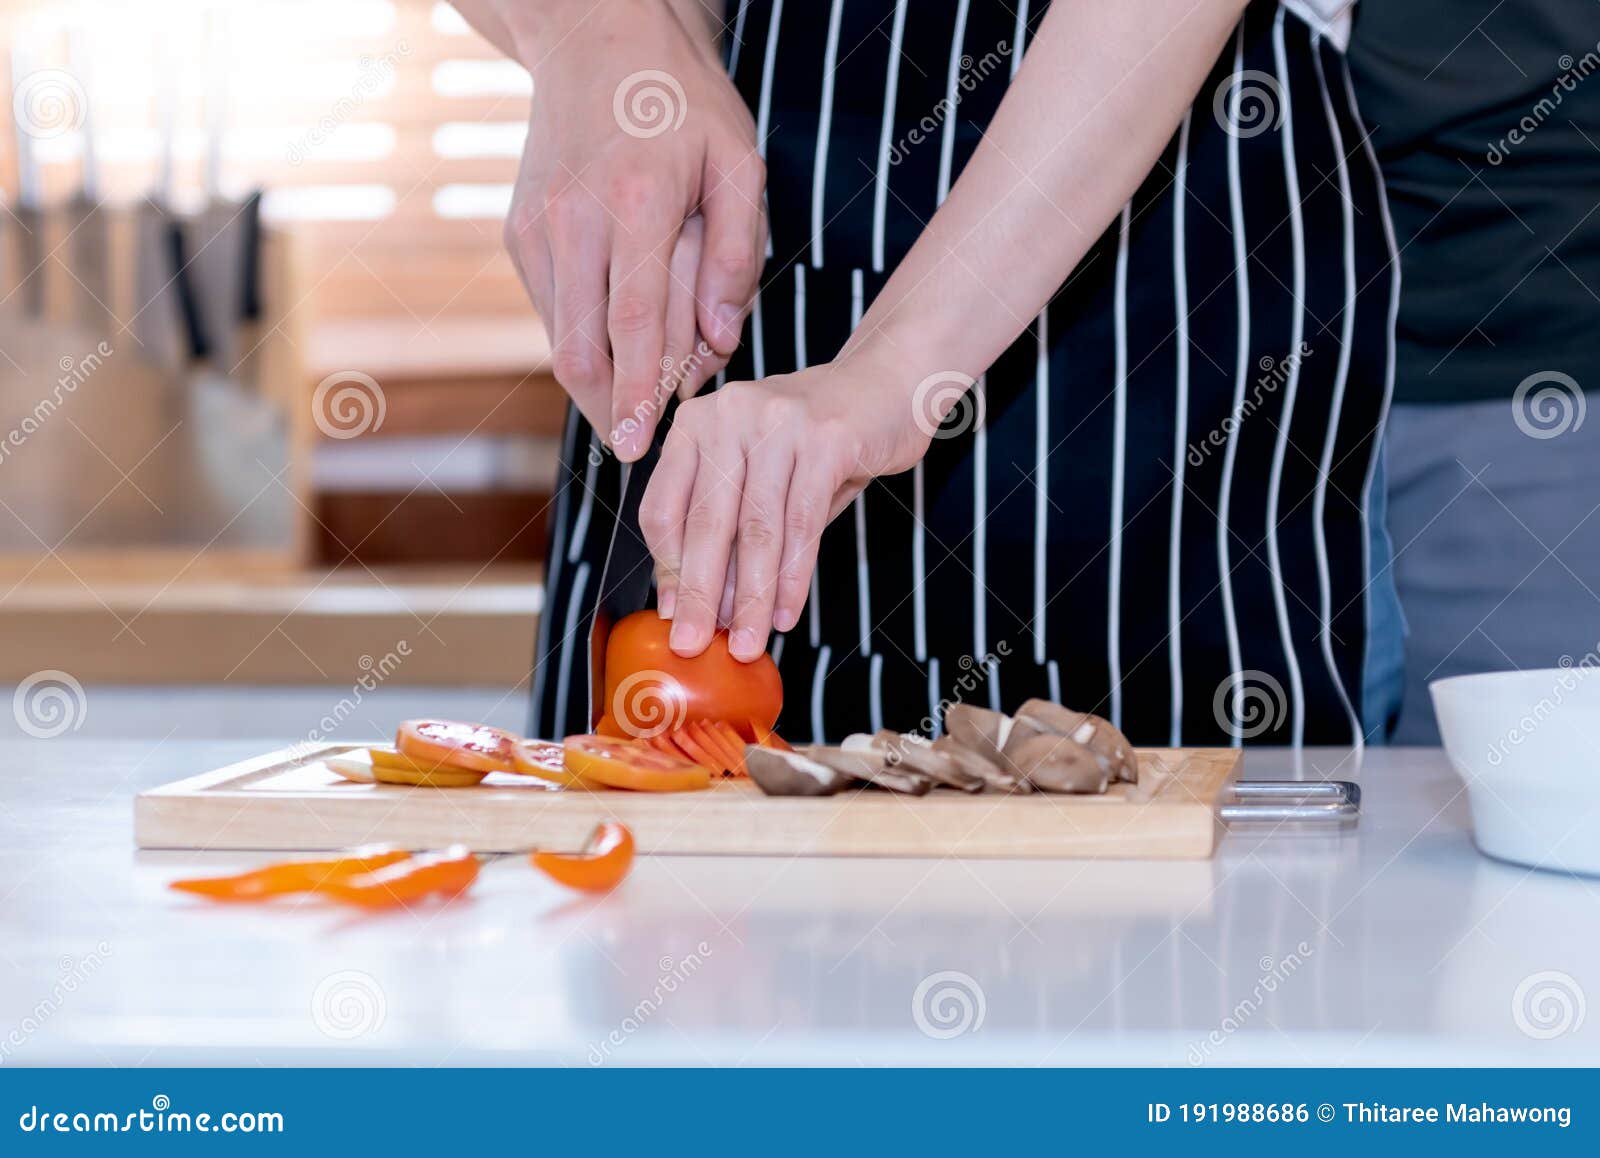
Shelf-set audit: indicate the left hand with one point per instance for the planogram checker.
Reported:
(748, 479)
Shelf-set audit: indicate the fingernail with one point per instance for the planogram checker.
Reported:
(683, 637)
(744, 644)
(666, 600)
(784, 619)
(728, 319)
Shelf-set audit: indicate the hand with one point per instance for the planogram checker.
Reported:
(748, 479)
(634, 234)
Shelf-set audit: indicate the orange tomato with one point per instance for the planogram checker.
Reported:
(602, 864)
(476, 747)
(633, 764)
(542, 758)
(651, 690)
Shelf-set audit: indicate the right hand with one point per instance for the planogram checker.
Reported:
(606, 224)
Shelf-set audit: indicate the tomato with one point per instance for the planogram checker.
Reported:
(634, 764)
(601, 865)
(651, 690)
(474, 746)
(542, 758)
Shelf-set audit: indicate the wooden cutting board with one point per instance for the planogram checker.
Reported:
(289, 800)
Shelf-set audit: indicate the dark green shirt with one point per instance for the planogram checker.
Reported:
(1486, 120)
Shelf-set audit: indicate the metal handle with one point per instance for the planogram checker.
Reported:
(1324, 803)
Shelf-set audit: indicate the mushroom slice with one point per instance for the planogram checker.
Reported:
(1061, 764)
(972, 764)
(916, 753)
(979, 729)
(1093, 732)
(780, 773)
(871, 765)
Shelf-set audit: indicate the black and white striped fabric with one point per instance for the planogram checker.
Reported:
(1162, 514)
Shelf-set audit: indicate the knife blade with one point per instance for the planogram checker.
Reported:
(628, 574)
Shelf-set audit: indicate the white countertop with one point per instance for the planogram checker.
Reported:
(1397, 943)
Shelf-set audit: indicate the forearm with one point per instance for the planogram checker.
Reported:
(526, 29)
(1102, 89)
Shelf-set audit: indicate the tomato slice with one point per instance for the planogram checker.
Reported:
(601, 866)
(631, 764)
(696, 751)
(473, 746)
(542, 758)
(733, 743)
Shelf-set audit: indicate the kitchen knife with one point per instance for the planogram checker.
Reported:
(628, 574)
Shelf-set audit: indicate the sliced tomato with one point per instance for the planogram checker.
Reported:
(474, 746)
(632, 764)
(733, 743)
(601, 866)
(650, 689)
(542, 758)
(696, 751)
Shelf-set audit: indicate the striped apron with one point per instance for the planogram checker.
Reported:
(1156, 507)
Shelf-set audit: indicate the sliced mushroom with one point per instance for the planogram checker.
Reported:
(1094, 732)
(995, 778)
(779, 773)
(869, 764)
(917, 754)
(1061, 764)
(979, 729)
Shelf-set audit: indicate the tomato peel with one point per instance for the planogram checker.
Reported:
(604, 862)
(442, 874)
(283, 878)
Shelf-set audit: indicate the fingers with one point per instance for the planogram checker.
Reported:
(805, 515)
(636, 319)
(580, 356)
(679, 361)
(709, 525)
(759, 550)
(662, 510)
(735, 248)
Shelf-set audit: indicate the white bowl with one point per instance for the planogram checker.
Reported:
(1528, 745)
